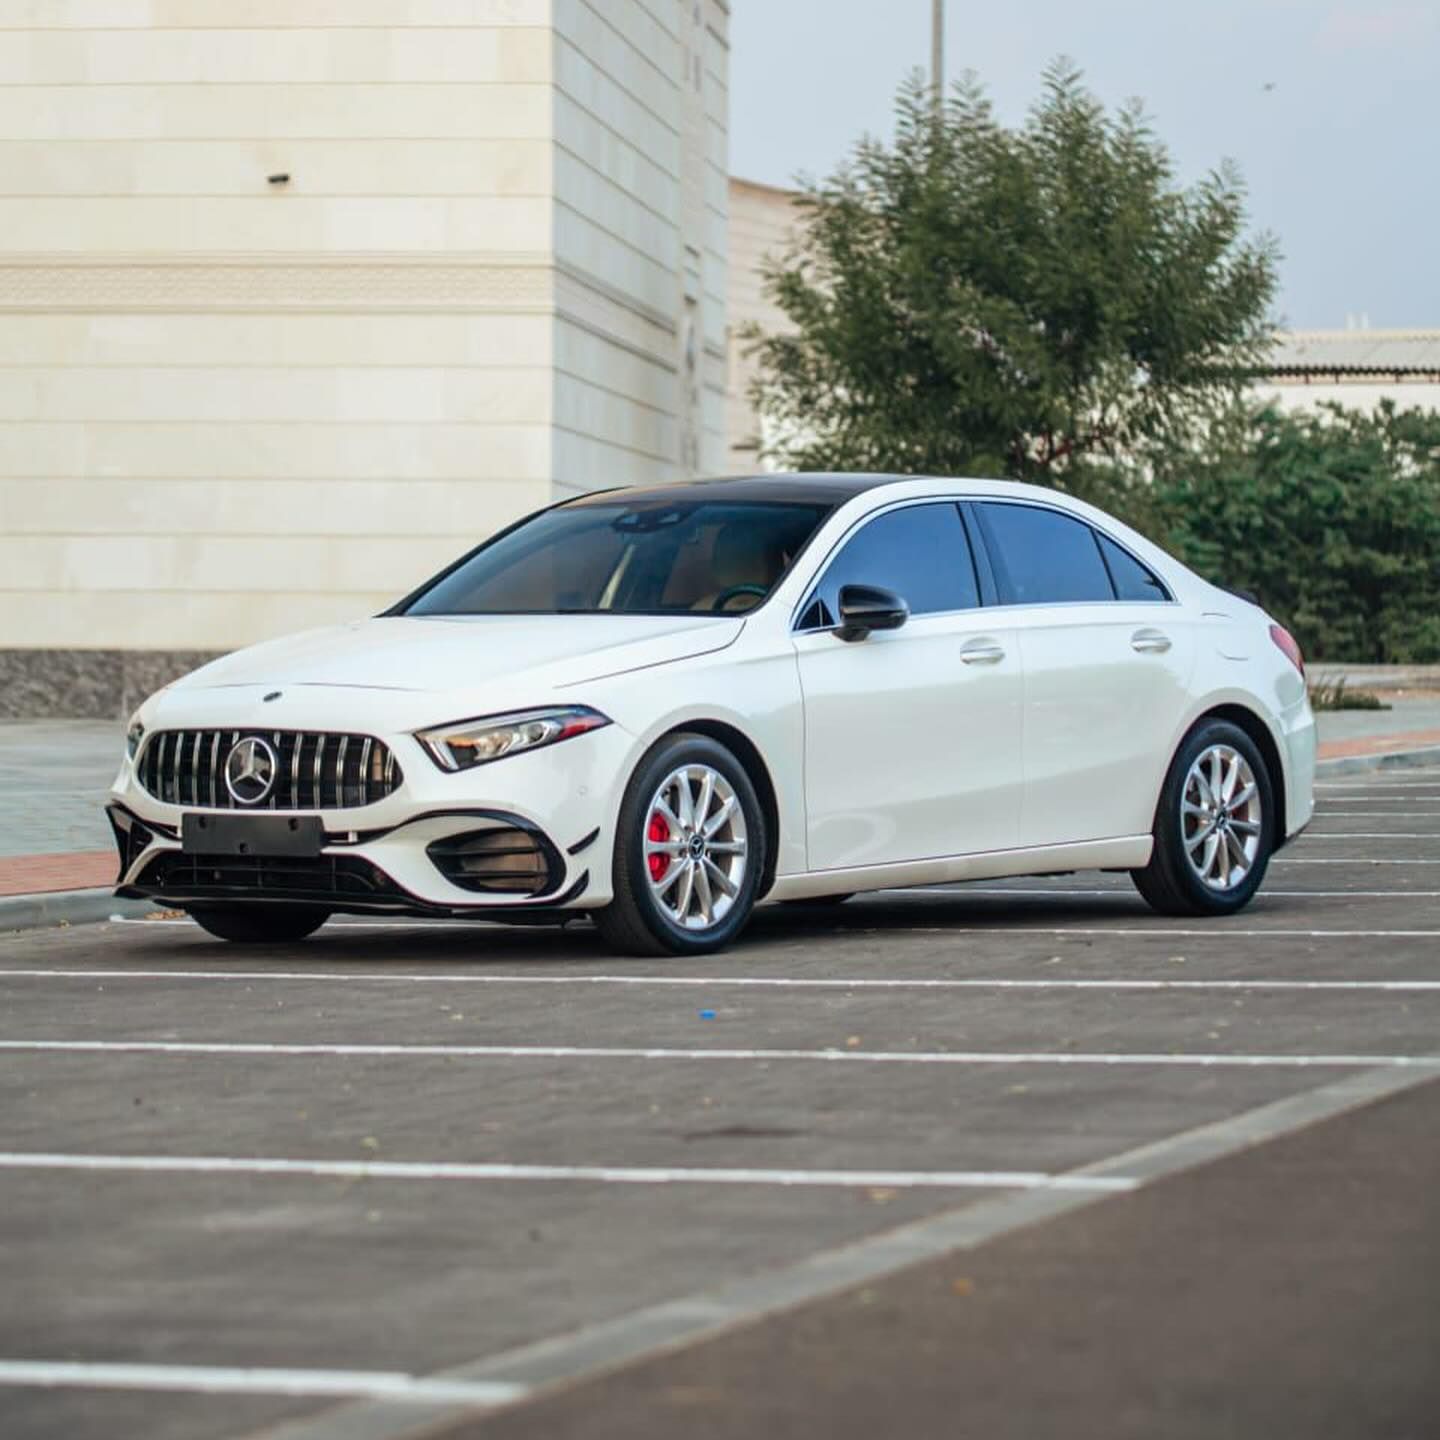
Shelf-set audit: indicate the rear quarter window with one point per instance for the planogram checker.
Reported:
(1133, 581)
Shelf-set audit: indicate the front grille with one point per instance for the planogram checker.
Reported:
(315, 770)
(322, 877)
(501, 861)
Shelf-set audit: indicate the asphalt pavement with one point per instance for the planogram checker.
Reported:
(1008, 1159)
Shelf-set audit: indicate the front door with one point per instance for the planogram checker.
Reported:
(912, 736)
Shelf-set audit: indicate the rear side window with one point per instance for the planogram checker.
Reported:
(920, 552)
(1133, 581)
(1042, 557)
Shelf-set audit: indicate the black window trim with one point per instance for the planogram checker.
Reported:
(1095, 531)
(807, 599)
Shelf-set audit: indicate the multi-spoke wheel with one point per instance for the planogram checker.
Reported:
(1220, 817)
(696, 846)
(689, 852)
(1214, 826)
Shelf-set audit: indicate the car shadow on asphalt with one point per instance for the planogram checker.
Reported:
(358, 942)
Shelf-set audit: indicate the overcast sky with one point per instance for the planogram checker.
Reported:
(1331, 108)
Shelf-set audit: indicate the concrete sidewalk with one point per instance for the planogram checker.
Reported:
(54, 774)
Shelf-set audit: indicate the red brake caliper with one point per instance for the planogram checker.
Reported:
(659, 832)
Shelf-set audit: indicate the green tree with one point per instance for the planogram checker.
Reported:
(1331, 518)
(972, 299)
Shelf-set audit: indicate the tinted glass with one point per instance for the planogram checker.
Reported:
(920, 552)
(638, 559)
(1132, 580)
(1042, 557)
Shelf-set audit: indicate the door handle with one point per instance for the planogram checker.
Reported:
(981, 652)
(1150, 642)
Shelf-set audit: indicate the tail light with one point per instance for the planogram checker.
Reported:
(1285, 642)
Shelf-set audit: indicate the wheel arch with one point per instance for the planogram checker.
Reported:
(748, 754)
(1259, 732)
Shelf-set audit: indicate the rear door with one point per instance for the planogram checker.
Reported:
(1107, 656)
(912, 736)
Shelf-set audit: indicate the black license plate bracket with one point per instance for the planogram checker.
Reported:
(264, 835)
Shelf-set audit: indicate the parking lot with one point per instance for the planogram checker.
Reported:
(1018, 1158)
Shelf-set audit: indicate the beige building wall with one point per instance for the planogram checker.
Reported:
(231, 408)
(1405, 393)
(640, 252)
(762, 223)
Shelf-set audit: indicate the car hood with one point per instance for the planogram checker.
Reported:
(466, 653)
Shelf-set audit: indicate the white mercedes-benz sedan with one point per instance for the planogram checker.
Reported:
(663, 707)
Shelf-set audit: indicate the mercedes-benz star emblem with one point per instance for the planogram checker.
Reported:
(250, 771)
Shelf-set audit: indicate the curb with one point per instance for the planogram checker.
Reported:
(89, 907)
(66, 907)
(1388, 760)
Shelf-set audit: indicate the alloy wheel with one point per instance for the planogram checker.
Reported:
(696, 846)
(1221, 820)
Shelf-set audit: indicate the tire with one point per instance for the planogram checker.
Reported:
(1193, 865)
(656, 844)
(259, 924)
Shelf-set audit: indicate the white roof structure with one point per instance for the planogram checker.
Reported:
(1399, 355)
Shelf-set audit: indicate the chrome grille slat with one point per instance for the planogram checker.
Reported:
(195, 768)
(363, 773)
(172, 769)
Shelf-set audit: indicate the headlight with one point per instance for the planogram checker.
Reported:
(467, 743)
(133, 736)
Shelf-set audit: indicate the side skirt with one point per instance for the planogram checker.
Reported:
(1130, 852)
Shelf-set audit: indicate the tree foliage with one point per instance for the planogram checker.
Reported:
(1332, 518)
(972, 299)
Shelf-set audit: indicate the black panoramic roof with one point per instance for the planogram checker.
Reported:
(793, 489)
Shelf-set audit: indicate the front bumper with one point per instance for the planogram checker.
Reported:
(392, 857)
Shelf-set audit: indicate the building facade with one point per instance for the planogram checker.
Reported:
(300, 298)
(1354, 368)
(762, 226)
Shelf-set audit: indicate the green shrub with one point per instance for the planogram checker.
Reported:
(1332, 518)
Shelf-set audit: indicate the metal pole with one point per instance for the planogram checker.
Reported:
(937, 50)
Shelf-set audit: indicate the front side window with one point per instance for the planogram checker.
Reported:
(641, 558)
(1042, 557)
(920, 552)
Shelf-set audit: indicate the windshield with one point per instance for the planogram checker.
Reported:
(647, 558)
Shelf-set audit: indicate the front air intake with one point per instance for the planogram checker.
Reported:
(503, 861)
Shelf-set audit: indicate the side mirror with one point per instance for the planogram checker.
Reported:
(864, 608)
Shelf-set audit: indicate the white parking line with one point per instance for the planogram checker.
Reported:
(602, 1174)
(652, 1052)
(1125, 892)
(388, 1385)
(716, 982)
(1364, 835)
(1406, 786)
(605, 1345)
(1213, 931)
(1344, 860)
(1381, 800)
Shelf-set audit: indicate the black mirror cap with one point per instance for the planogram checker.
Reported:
(864, 608)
